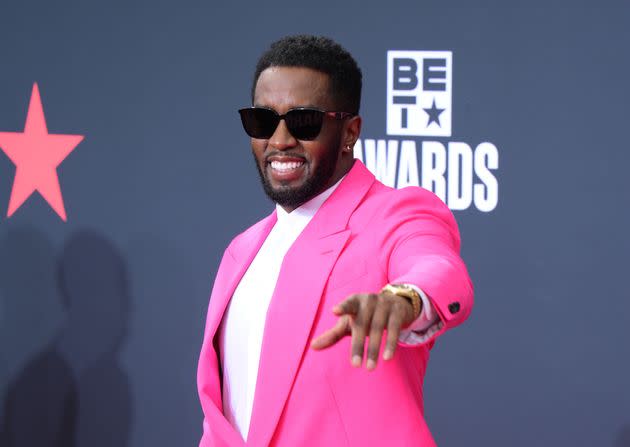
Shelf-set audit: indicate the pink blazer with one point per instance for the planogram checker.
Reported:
(364, 236)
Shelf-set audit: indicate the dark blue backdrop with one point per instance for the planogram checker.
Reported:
(109, 307)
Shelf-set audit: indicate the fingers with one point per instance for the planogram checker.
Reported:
(393, 332)
(363, 316)
(345, 309)
(379, 320)
(360, 327)
(333, 335)
(349, 306)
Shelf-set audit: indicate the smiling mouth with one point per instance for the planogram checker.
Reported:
(286, 169)
(286, 166)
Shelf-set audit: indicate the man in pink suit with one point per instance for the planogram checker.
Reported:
(345, 272)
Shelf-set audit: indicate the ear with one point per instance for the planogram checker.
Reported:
(352, 130)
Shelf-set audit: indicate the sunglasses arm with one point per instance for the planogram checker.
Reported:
(339, 115)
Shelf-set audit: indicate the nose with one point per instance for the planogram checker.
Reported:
(282, 138)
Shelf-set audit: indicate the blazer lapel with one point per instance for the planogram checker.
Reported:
(234, 265)
(296, 298)
(243, 254)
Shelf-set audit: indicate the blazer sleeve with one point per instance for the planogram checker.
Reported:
(422, 247)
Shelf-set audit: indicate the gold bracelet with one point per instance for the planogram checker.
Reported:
(407, 292)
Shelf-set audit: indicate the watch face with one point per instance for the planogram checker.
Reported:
(403, 287)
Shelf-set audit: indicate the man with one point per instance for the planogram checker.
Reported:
(345, 272)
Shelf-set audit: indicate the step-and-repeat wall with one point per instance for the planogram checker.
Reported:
(124, 173)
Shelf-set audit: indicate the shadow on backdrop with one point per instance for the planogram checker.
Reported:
(74, 392)
(39, 389)
(623, 437)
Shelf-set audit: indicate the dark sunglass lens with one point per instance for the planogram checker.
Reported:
(304, 124)
(258, 122)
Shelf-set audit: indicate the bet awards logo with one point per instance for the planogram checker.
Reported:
(36, 155)
(419, 93)
(419, 104)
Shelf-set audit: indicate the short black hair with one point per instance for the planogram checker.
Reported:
(322, 54)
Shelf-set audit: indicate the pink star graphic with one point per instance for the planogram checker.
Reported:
(36, 155)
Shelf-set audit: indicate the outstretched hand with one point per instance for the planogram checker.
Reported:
(368, 315)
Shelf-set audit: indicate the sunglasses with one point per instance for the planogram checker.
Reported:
(303, 123)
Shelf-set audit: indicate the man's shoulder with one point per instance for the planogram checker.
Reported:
(382, 196)
(413, 208)
(245, 237)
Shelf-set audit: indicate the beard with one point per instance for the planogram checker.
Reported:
(291, 196)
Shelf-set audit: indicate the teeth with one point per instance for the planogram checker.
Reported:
(286, 166)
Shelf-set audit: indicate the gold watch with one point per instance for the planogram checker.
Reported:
(407, 292)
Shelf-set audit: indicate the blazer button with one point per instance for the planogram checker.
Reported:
(453, 307)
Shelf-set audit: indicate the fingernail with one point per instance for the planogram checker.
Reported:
(356, 360)
(371, 364)
(387, 354)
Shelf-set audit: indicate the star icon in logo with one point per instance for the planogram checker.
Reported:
(434, 114)
(36, 155)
